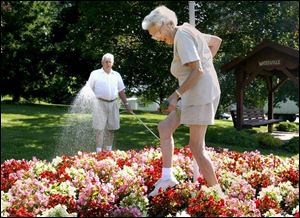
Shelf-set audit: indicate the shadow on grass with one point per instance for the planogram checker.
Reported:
(244, 140)
(34, 130)
(30, 130)
(18, 142)
(33, 109)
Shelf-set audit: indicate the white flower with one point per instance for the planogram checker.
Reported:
(41, 166)
(296, 209)
(76, 173)
(57, 211)
(213, 191)
(178, 172)
(64, 188)
(182, 214)
(272, 213)
(56, 161)
(5, 198)
(272, 191)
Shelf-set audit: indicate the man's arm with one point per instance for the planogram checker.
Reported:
(124, 100)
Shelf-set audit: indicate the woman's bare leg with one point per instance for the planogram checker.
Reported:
(197, 146)
(196, 170)
(166, 129)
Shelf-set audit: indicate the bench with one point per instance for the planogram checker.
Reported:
(253, 117)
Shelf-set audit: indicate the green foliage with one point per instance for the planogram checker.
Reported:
(287, 91)
(223, 133)
(28, 61)
(142, 62)
(242, 26)
(46, 42)
(287, 127)
(164, 105)
(267, 140)
(292, 145)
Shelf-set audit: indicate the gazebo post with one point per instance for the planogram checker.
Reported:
(239, 98)
(270, 101)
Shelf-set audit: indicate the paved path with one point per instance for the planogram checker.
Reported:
(286, 135)
(283, 135)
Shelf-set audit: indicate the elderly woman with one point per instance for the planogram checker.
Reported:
(199, 91)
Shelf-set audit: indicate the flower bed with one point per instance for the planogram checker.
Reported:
(116, 184)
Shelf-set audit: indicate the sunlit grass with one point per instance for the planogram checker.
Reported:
(29, 130)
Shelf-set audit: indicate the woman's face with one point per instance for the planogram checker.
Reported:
(162, 33)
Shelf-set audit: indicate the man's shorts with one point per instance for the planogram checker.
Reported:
(199, 114)
(106, 115)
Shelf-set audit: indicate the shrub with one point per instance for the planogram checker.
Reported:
(292, 145)
(287, 127)
(266, 139)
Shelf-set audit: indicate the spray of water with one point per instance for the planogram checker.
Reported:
(78, 133)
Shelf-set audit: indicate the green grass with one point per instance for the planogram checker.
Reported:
(29, 130)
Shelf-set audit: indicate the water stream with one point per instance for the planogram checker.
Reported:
(78, 133)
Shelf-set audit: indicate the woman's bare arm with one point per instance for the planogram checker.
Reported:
(214, 43)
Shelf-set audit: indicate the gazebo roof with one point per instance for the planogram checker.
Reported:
(266, 47)
(266, 60)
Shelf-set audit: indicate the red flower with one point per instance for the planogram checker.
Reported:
(69, 201)
(8, 168)
(59, 176)
(124, 161)
(267, 203)
(153, 172)
(104, 154)
(172, 200)
(205, 206)
(291, 175)
(258, 180)
(20, 212)
(94, 209)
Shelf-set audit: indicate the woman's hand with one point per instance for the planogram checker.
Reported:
(172, 102)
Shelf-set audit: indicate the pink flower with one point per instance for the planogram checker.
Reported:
(118, 182)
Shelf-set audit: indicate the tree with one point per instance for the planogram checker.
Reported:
(242, 26)
(24, 47)
(143, 63)
(49, 48)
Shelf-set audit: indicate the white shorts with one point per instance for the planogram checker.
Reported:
(106, 116)
(199, 114)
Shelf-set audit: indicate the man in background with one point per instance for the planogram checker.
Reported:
(107, 85)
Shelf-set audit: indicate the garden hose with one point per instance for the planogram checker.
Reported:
(145, 125)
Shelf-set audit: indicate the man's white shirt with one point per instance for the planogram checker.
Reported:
(106, 85)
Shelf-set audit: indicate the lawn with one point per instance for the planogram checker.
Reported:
(29, 130)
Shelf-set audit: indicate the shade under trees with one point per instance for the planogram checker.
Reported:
(49, 48)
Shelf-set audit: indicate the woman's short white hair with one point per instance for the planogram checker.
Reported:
(158, 16)
(108, 56)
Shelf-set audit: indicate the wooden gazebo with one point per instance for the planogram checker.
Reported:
(267, 60)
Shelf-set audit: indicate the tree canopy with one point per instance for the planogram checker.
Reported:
(49, 48)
